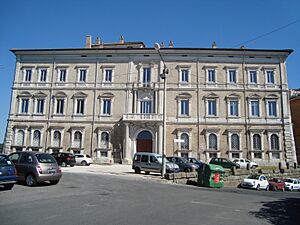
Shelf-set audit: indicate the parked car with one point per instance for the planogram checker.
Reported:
(183, 163)
(34, 167)
(292, 184)
(276, 184)
(225, 163)
(64, 158)
(255, 181)
(244, 162)
(151, 162)
(195, 161)
(8, 173)
(83, 159)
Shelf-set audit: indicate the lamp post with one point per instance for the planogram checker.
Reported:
(163, 76)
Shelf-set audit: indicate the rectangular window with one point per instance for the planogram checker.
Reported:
(82, 75)
(108, 75)
(146, 107)
(232, 76)
(253, 77)
(80, 106)
(146, 77)
(185, 75)
(255, 108)
(106, 107)
(24, 105)
(184, 107)
(211, 76)
(60, 106)
(28, 73)
(43, 75)
(212, 107)
(272, 108)
(63, 75)
(233, 108)
(270, 77)
(40, 106)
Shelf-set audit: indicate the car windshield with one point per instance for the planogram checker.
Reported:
(45, 158)
(184, 160)
(254, 177)
(288, 180)
(159, 159)
(4, 161)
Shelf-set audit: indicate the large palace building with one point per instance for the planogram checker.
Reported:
(106, 100)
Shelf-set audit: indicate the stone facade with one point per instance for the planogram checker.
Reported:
(106, 100)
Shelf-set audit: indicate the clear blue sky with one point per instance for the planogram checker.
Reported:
(189, 23)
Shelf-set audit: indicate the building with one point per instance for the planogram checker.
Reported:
(107, 100)
(295, 109)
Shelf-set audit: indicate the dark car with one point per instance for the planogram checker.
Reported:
(183, 163)
(34, 167)
(8, 173)
(276, 184)
(225, 163)
(64, 158)
(195, 161)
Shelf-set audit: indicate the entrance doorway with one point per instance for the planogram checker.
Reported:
(144, 142)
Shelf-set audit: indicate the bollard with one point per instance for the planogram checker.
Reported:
(279, 166)
(287, 165)
(295, 165)
(233, 170)
(248, 166)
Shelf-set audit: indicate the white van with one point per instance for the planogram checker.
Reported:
(151, 162)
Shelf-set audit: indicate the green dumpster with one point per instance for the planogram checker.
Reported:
(210, 175)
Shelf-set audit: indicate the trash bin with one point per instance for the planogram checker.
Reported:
(210, 175)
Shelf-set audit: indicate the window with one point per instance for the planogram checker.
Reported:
(257, 142)
(255, 108)
(43, 75)
(146, 76)
(62, 75)
(272, 108)
(24, 105)
(232, 76)
(145, 158)
(80, 106)
(185, 144)
(274, 142)
(212, 107)
(56, 139)
(253, 76)
(82, 75)
(211, 75)
(108, 75)
(20, 138)
(270, 77)
(28, 73)
(106, 108)
(233, 108)
(36, 140)
(146, 107)
(212, 142)
(104, 140)
(77, 140)
(184, 107)
(40, 106)
(235, 142)
(60, 106)
(184, 76)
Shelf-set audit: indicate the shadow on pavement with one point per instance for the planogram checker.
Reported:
(282, 212)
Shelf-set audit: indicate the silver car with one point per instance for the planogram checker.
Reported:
(34, 167)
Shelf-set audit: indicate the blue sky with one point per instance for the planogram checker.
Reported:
(189, 23)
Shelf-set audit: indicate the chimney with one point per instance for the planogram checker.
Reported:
(98, 41)
(88, 41)
(171, 44)
(214, 45)
(122, 40)
(162, 44)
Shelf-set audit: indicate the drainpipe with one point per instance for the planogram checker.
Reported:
(94, 109)
(198, 111)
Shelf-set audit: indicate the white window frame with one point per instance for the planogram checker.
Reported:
(79, 69)
(250, 108)
(40, 69)
(234, 151)
(73, 131)
(250, 77)
(21, 105)
(271, 151)
(76, 105)
(207, 107)
(32, 135)
(102, 107)
(252, 133)
(59, 69)
(268, 101)
(181, 114)
(16, 130)
(57, 99)
(36, 105)
(181, 81)
(266, 70)
(207, 75)
(236, 75)
(61, 131)
(229, 100)
(24, 74)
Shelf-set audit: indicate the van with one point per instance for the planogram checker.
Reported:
(151, 162)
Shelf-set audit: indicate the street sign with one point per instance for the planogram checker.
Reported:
(178, 140)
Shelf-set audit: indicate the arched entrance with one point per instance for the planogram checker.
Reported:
(144, 142)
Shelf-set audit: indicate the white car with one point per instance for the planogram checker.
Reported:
(243, 163)
(83, 159)
(292, 184)
(256, 181)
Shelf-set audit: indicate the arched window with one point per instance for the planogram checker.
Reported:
(56, 139)
(20, 138)
(185, 145)
(104, 140)
(256, 142)
(36, 140)
(77, 139)
(212, 142)
(274, 142)
(235, 142)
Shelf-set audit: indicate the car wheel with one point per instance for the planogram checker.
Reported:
(137, 170)
(8, 186)
(53, 182)
(253, 167)
(147, 172)
(64, 164)
(84, 163)
(274, 188)
(72, 165)
(258, 187)
(30, 180)
(292, 188)
(267, 188)
(187, 170)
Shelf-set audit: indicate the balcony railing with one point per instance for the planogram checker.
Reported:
(142, 117)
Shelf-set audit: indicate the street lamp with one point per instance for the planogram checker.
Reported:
(163, 76)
